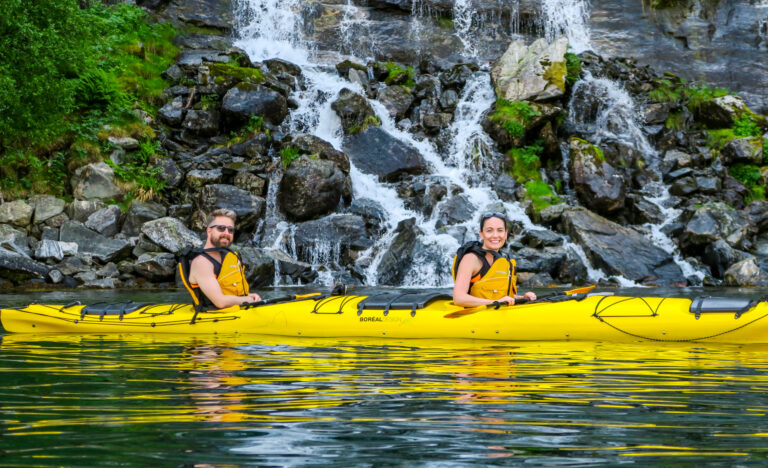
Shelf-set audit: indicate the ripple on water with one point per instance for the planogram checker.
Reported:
(86, 400)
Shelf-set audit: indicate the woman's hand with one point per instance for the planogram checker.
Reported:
(253, 297)
(530, 295)
(507, 299)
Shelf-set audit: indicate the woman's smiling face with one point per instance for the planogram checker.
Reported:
(494, 233)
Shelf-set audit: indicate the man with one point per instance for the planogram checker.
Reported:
(216, 275)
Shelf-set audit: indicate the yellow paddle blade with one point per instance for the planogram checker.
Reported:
(304, 296)
(583, 290)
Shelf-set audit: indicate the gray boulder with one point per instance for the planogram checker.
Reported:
(95, 181)
(47, 207)
(264, 265)
(156, 267)
(105, 221)
(396, 99)
(536, 72)
(355, 112)
(173, 112)
(743, 150)
(599, 186)
(715, 221)
(337, 233)
(455, 210)
(720, 256)
(618, 250)
(376, 152)
(139, 213)
(202, 123)
(17, 268)
(398, 258)
(247, 99)
(247, 206)
(17, 212)
(90, 242)
(170, 234)
(746, 273)
(311, 188)
(80, 210)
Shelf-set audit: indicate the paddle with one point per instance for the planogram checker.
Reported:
(274, 300)
(496, 305)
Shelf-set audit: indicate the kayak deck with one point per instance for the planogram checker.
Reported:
(593, 317)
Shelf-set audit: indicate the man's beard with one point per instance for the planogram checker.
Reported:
(221, 242)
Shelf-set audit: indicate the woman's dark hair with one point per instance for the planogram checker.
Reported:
(488, 216)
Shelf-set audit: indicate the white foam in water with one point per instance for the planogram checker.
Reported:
(569, 18)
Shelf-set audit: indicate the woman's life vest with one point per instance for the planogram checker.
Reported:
(494, 280)
(230, 273)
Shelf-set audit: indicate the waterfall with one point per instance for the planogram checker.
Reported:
(569, 18)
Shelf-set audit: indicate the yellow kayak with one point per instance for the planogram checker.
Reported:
(593, 317)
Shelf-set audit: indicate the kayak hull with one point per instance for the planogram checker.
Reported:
(593, 318)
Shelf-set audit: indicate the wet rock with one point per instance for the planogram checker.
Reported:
(15, 240)
(46, 207)
(202, 13)
(529, 280)
(717, 221)
(733, 192)
(16, 267)
(95, 181)
(434, 122)
(329, 239)
(355, 112)
(746, 273)
(139, 213)
(399, 255)
(170, 234)
(51, 249)
(90, 242)
(344, 67)
(156, 267)
(538, 238)
(743, 150)
(642, 211)
(457, 77)
(263, 265)
(449, 100)
(75, 264)
(311, 188)
(397, 99)
(246, 100)
(606, 245)
(720, 256)
(372, 212)
(105, 221)
(319, 148)
(455, 210)
(599, 186)
(757, 211)
(552, 214)
(247, 206)
(684, 186)
(721, 112)
(392, 159)
(251, 183)
(547, 260)
(506, 187)
(536, 72)
(17, 212)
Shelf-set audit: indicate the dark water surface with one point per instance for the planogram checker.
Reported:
(165, 400)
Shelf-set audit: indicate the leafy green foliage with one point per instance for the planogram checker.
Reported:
(67, 73)
(540, 193)
(667, 91)
(136, 170)
(745, 126)
(396, 73)
(513, 116)
(573, 67)
(288, 155)
(747, 174)
(700, 94)
(525, 162)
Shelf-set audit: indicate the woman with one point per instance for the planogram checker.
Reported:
(486, 276)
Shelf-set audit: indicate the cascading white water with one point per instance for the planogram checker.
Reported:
(569, 18)
(611, 115)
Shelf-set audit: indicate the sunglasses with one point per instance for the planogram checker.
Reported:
(494, 215)
(222, 228)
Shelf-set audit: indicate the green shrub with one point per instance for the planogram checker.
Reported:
(747, 174)
(699, 94)
(745, 126)
(573, 67)
(666, 91)
(525, 163)
(513, 116)
(540, 193)
(288, 155)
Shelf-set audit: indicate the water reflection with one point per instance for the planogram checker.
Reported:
(83, 400)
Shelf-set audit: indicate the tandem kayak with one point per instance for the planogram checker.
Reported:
(593, 317)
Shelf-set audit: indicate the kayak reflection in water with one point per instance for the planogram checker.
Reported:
(215, 276)
(487, 276)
